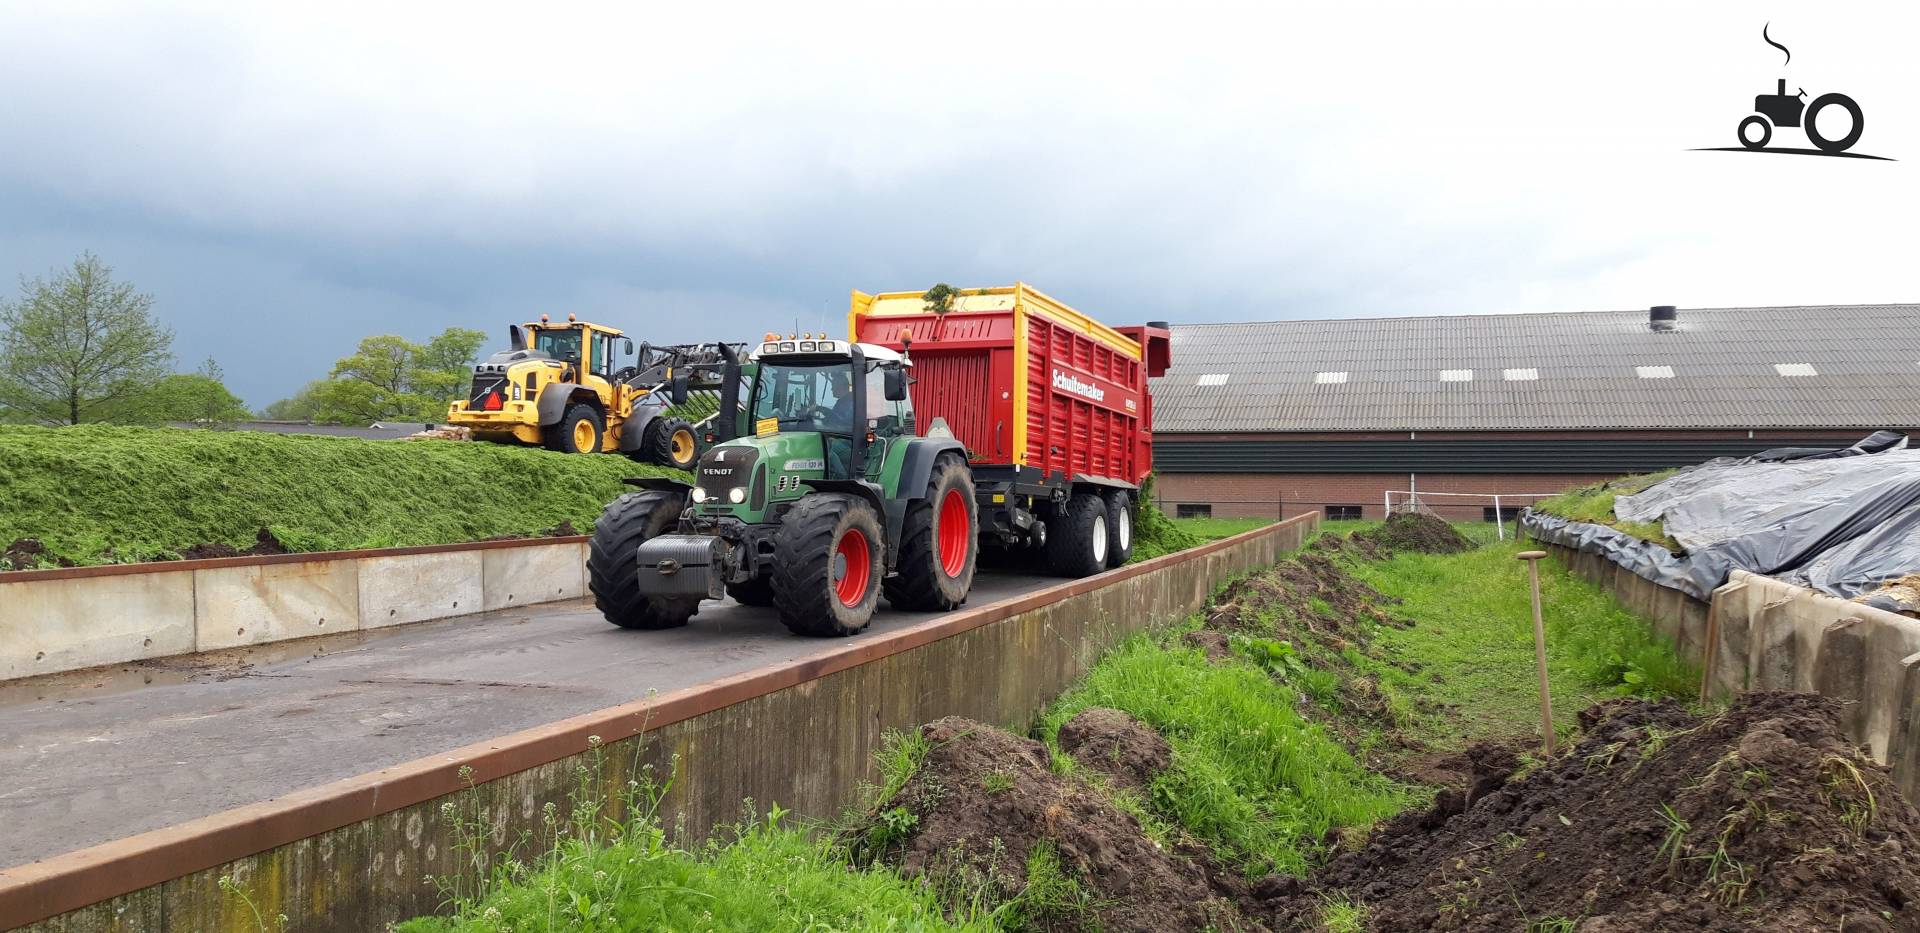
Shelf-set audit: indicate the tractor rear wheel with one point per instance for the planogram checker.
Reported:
(755, 592)
(828, 561)
(1119, 527)
(939, 544)
(671, 443)
(579, 431)
(613, 561)
(1077, 536)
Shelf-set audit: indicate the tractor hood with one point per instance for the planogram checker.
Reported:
(743, 477)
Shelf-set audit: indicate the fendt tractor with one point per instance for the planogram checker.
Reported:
(993, 417)
(563, 385)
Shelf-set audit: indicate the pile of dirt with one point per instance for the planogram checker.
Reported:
(264, 542)
(1413, 531)
(1310, 590)
(984, 800)
(1761, 818)
(28, 554)
(441, 433)
(1117, 745)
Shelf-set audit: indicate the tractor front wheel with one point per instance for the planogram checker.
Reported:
(671, 443)
(828, 561)
(613, 561)
(1759, 139)
(579, 431)
(1077, 536)
(939, 543)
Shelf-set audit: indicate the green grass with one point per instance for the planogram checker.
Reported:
(1251, 778)
(100, 494)
(1594, 504)
(1474, 630)
(1215, 528)
(766, 877)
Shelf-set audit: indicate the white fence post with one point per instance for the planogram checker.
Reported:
(1499, 520)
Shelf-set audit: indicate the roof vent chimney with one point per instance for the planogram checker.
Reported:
(1662, 317)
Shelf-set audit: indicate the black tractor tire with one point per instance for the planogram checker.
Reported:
(755, 592)
(1119, 527)
(1766, 132)
(613, 561)
(821, 591)
(672, 442)
(934, 572)
(1077, 536)
(1811, 124)
(565, 435)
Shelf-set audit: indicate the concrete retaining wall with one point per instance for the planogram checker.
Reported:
(67, 619)
(354, 855)
(1765, 634)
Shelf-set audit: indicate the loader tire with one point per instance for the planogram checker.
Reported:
(939, 543)
(613, 564)
(1119, 527)
(828, 558)
(755, 592)
(580, 431)
(670, 442)
(1077, 536)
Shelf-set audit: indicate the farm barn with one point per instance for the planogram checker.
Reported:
(1336, 416)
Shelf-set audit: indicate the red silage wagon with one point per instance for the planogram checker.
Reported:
(1051, 405)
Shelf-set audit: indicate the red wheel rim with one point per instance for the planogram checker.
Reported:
(955, 533)
(853, 561)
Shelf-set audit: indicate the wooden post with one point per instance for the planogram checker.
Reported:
(1713, 639)
(1540, 647)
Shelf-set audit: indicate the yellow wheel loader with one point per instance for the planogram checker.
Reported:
(579, 387)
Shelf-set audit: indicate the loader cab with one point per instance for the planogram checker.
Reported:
(588, 348)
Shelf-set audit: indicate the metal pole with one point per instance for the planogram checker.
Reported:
(1499, 520)
(1540, 647)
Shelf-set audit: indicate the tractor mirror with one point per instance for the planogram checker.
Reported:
(678, 389)
(626, 345)
(896, 379)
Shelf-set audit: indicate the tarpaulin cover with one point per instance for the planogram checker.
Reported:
(1841, 521)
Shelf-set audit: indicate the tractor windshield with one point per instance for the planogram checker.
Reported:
(559, 344)
(805, 397)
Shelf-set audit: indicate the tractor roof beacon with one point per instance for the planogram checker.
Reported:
(829, 485)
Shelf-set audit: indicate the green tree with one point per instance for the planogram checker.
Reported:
(391, 378)
(303, 405)
(79, 344)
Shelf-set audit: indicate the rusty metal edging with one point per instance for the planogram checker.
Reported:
(254, 560)
(49, 887)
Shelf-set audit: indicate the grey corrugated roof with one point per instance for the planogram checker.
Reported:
(1867, 358)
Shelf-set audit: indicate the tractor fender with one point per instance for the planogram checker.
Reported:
(916, 466)
(660, 484)
(555, 398)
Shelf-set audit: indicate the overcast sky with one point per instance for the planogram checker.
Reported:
(286, 179)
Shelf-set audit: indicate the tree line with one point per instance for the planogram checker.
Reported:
(79, 346)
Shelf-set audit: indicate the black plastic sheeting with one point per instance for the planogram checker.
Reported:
(1838, 520)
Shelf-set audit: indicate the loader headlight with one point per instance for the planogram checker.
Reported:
(737, 495)
(699, 494)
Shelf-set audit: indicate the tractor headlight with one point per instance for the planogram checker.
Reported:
(699, 493)
(737, 495)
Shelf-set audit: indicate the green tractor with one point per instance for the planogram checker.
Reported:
(817, 497)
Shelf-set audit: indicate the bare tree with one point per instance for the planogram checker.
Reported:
(77, 344)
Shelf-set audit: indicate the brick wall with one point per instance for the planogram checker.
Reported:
(1288, 494)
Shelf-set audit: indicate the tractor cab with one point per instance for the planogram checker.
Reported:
(852, 395)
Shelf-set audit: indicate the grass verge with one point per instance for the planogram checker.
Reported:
(99, 494)
(1593, 504)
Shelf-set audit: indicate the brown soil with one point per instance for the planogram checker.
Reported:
(1215, 645)
(264, 543)
(984, 799)
(28, 554)
(1413, 531)
(1762, 818)
(1117, 745)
